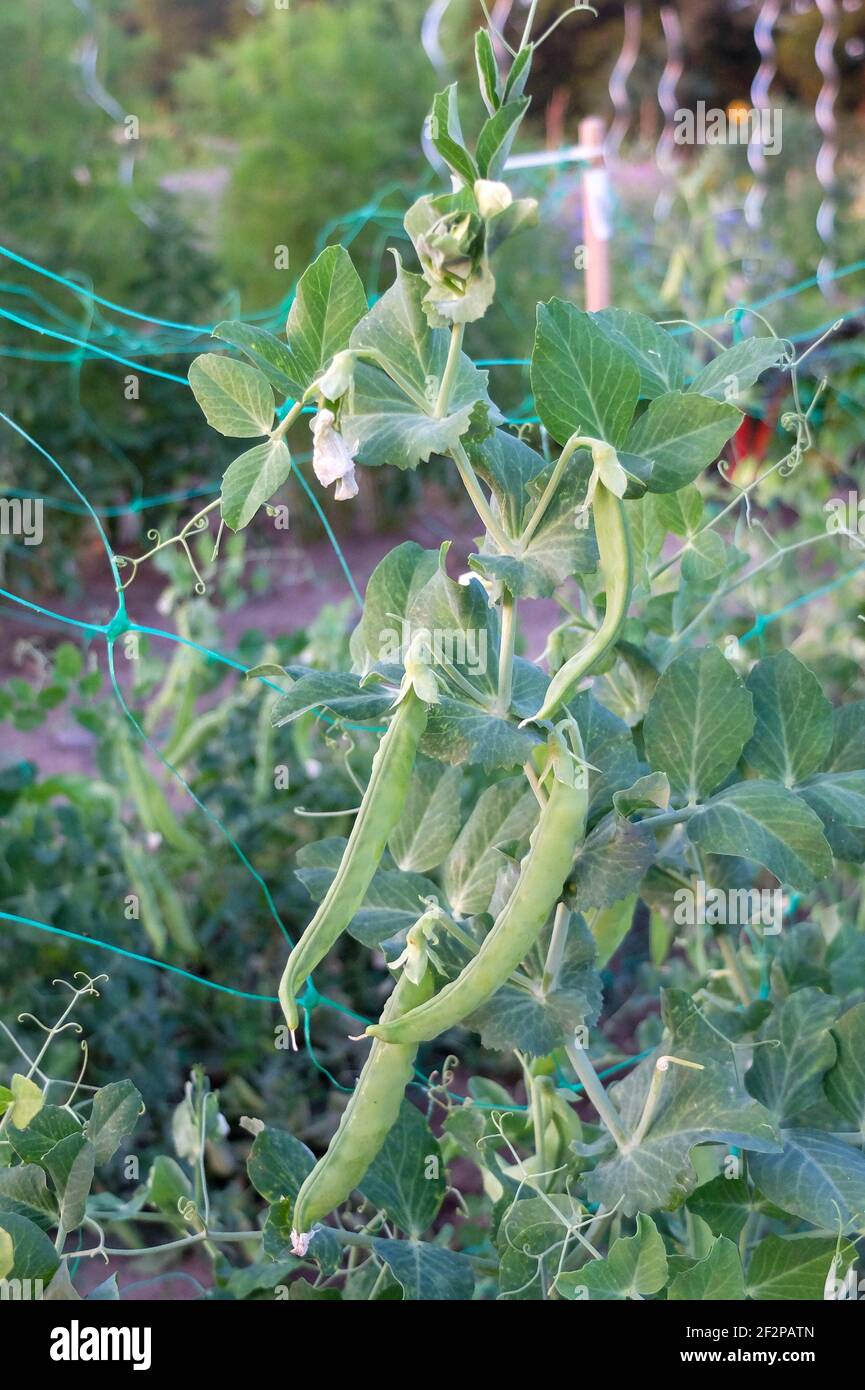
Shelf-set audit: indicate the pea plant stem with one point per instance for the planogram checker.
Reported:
(507, 645)
(577, 441)
(481, 505)
(593, 1087)
(449, 374)
(734, 969)
(556, 952)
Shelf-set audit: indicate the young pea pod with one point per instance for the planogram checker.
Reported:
(381, 808)
(367, 1120)
(614, 546)
(544, 870)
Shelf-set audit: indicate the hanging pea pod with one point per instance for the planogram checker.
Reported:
(142, 884)
(367, 1120)
(154, 811)
(380, 811)
(543, 871)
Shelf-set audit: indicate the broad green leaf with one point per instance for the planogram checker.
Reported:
(33, 1254)
(635, 1266)
(839, 800)
(657, 356)
(278, 1164)
(61, 1289)
(6, 1099)
(337, 691)
(114, 1114)
(765, 822)
(458, 625)
(261, 1278)
(795, 1051)
(504, 812)
(24, 1192)
(167, 1186)
(650, 791)
(459, 731)
(393, 903)
(707, 556)
(237, 400)
(430, 821)
(793, 730)
(70, 1166)
(27, 1101)
(695, 1107)
(391, 590)
(610, 863)
(647, 538)
(848, 738)
(845, 1080)
(717, 1278)
(531, 1237)
(611, 926)
(724, 1204)
(427, 1273)
(736, 368)
(264, 351)
(535, 1021)
(329, 303)
(324, 1247)
(680, 512)
(447, 136)
(519, 73)
(817, 1177)
(699, 720)
(251, 480)
(582, 381)
(681, 434)
(795, 1267)
(406, 1178)
(608, 745)
(52, 1124)
(390, 411)
(68, 662)
(497, 137)
(106, 1292)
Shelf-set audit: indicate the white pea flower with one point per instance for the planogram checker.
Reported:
(419, 675)
(332, 459)
(606, 469)
(338, 377)
(492, 197)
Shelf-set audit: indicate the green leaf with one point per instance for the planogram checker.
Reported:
(488, 72)
(52, 1124)
(839, 800)
(390, 409)
(68, 662)
(651, 791)
(610, 863)
(427, 1273)
(392, 588)
(167, 1186)
(817, 1177)
(717, 1278)
(699, 720)
(251, 480)
(33, 1254)
(845, 1080)
(681, 435)
(695, 1107)
(706, 558)
(680, 512)
(459, 731)
(329, 303)
(796, 1051)
(531, 1237)
(635, 1266)
(447, 136)
(609, 749)
(278, 1164)
(24, 1192)
(611, 926)
(793, 730)
(724, 1204)
(337, 691)
(765, 822)
(796, 1267)
(538, 1022)
(430, 821)
(497, 137)
(261, 1278)
(657, 356)
(504, 812)
(736, 368)
(519, 73)
(266, 352)
(582, 381)
(114, 1115)
(406, 1179)
(237, 400)
(392, 905)
(70, 1166)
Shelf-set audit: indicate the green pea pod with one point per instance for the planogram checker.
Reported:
(614, 547)
(153, 808)
(543, 872)
(380, 810)
(367, 1120)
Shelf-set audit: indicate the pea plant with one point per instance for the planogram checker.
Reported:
(518, 823)
(526, 822)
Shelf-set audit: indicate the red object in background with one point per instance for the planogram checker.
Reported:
(751, 439)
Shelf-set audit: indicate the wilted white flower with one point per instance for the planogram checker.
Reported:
(338, 377)
(332, 459)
